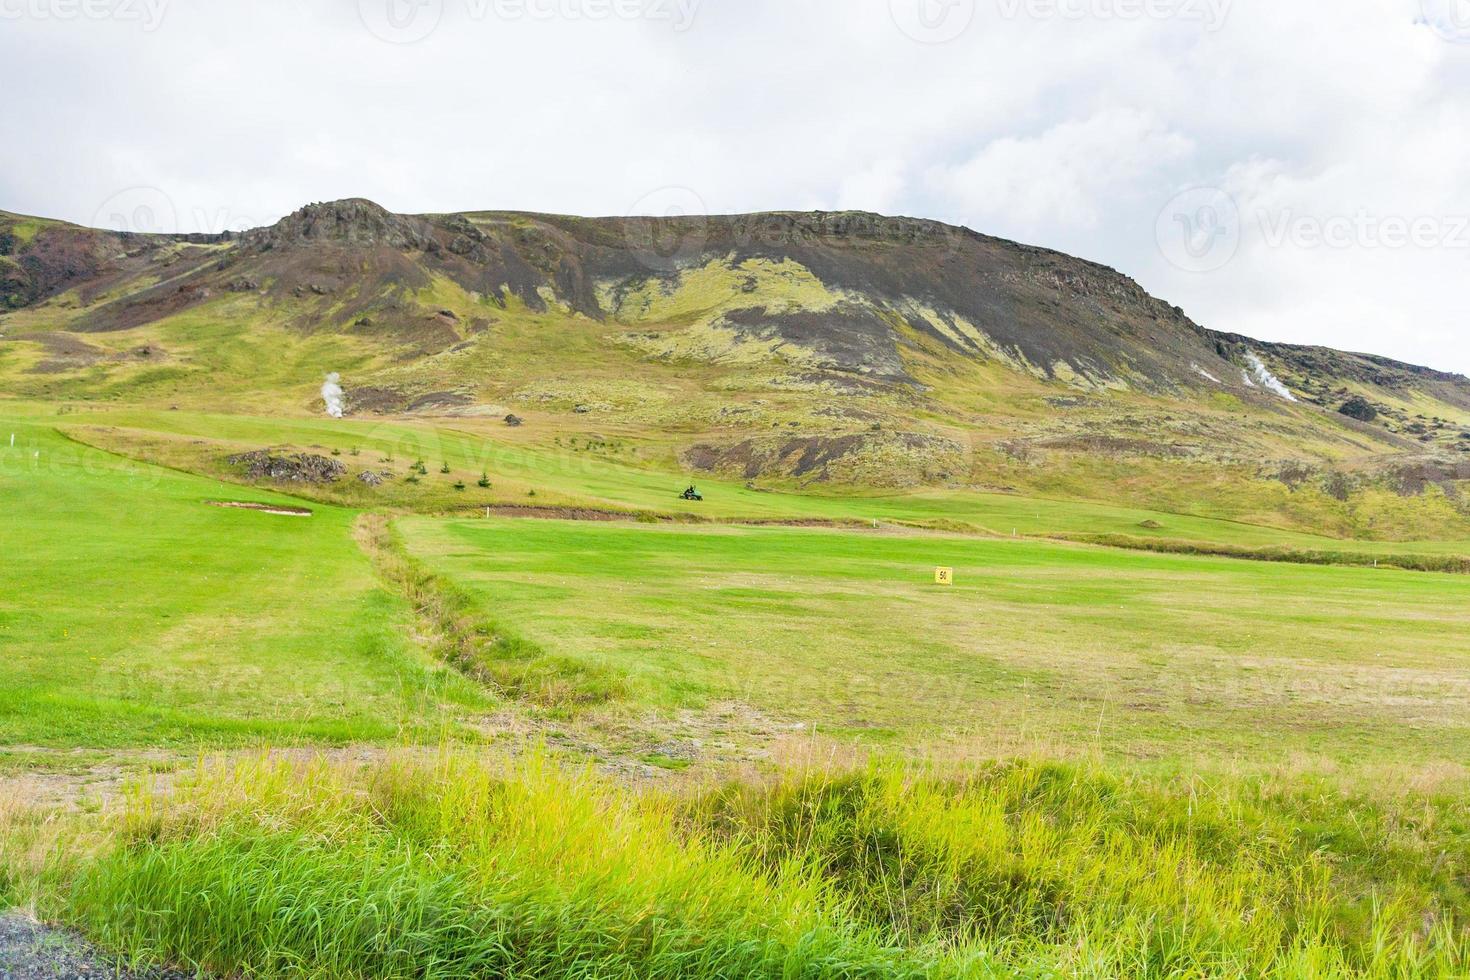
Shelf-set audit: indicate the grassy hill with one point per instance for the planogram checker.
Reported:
(782, 350)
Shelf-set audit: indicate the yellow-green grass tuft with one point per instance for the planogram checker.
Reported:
(463, 867)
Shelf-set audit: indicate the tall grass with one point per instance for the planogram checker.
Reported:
(459, 868)
(472, 641)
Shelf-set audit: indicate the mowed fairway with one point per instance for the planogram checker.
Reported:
(1146, 656)
(136, 614)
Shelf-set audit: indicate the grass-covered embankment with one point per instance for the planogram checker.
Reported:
(462, 634)
(457, 869)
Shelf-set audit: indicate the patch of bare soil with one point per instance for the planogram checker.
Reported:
(64, 352)
(655, 747)
(888, 459)
(71, 781)
(439, 400)
(722, 735)
(277, 509)
(375, 399)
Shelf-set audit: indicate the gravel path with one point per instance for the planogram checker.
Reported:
(31, 951)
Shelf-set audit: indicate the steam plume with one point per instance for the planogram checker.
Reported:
(332, 395)
(1265, 378)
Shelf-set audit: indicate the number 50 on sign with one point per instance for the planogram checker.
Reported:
(944, 576)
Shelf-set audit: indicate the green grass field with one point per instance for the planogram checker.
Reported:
(139, 615)
(1137, 764)
(146, 617)
(1137, 655)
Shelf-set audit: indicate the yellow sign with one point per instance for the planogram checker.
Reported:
(944, 576)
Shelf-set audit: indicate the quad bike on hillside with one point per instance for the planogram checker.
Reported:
(691, 494)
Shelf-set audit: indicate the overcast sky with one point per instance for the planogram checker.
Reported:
(1294, 170)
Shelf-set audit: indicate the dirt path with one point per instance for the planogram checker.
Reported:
(31, 951)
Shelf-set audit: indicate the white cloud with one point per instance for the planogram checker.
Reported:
(878, 188)
(1066, 175)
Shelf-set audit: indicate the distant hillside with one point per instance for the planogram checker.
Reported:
(848, 348)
